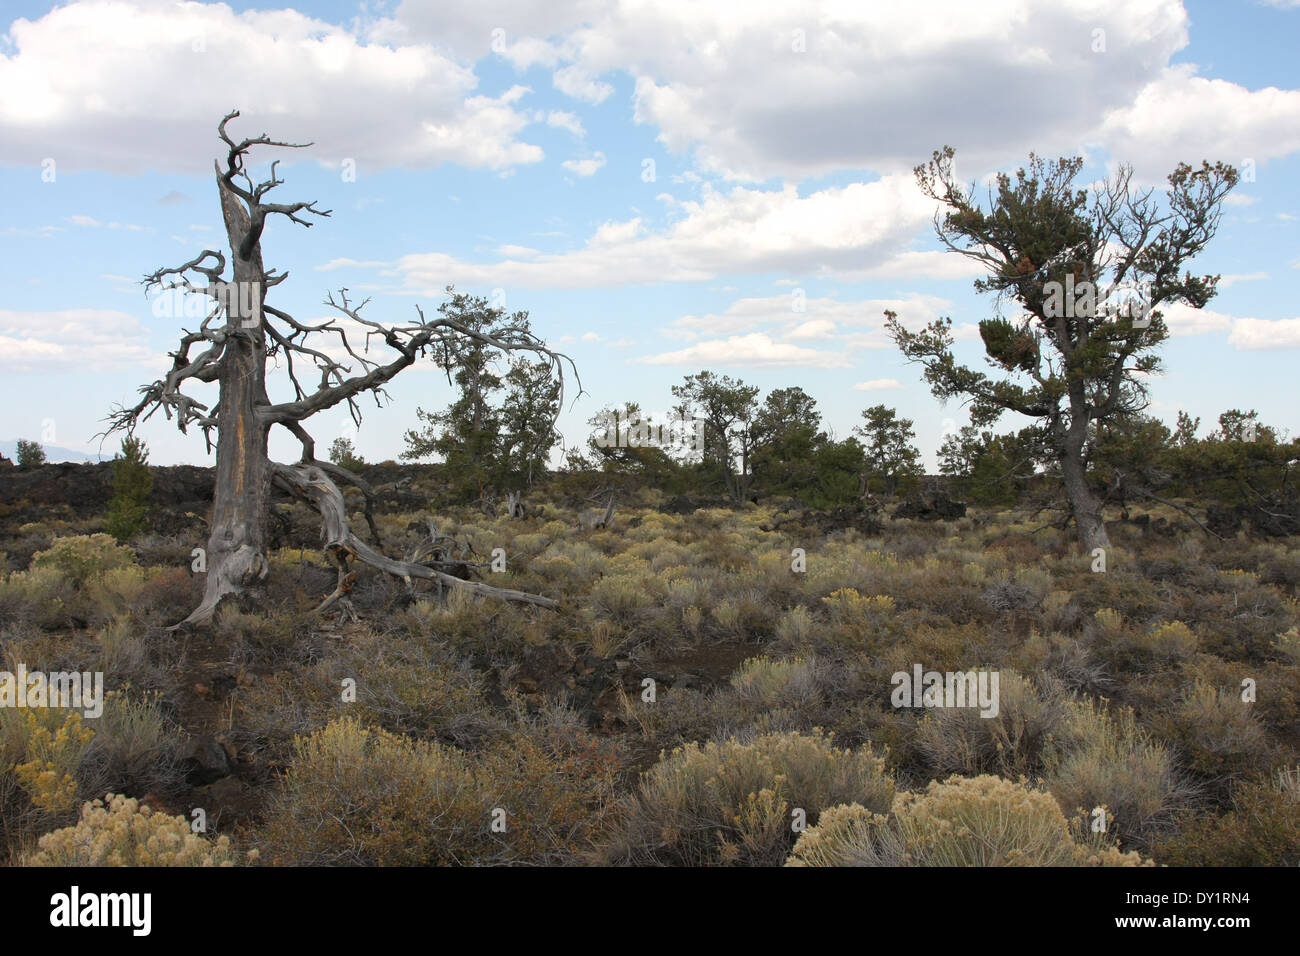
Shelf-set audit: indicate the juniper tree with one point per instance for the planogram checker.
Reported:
(728, 408)
(344, 454)
(528, 415)
(132, 486)
(890, 457)
(465, 434)
(787, 436)
(29, 453)
(1088, 274)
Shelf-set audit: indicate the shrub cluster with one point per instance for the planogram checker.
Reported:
(963, 821)
(120, 831)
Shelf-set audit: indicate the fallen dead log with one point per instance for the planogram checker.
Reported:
(309, 482)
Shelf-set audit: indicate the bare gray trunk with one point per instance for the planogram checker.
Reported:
(236, 556)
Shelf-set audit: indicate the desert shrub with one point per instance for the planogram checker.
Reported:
(475, 625)
(552, 567)
(43, 747)
(795, 626)
(941, 646)
(725, 550)
(755, 613)
(168, 594)
(73, 584)
(158, 551)
(1283, 570)
(1036, 582)
(664, 553)
(963, 821)
(1169, 643)
(857, 618)
(909, 547)
(621, 596)
(779, 581)
(405, 687)
(728, 803)
(832, 571)
(85, 557)
(411, 693)
(1157, 648)
(355, 796)
(530, 543)
(1104, 760)
(606, 637)
(268, 638)
(684, 591)
(1262, 828)
(1217, 734)
(124, 654)
(1008, 594)
(1070, 661)
(1110, 622)
(1286, 780)
(43, 596)
(135, 748)
(982, 821)
(959, 740)
(678, 714)
(78, 580)
(846, 835)
(1287, 645)
(118, 589)
(1060, 612)
(726, 614)
(360, 796)
(122, 832)
(588, 563)
(764, 683)
(555, 785)
(297, 556)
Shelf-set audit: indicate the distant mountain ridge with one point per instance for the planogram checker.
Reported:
(53, 453)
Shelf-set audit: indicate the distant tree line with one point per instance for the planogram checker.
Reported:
(722, 439)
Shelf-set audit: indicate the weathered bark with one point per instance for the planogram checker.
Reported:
(236, 555)
(234, 357)
(1084, 504)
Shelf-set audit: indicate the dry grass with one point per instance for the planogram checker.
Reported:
(1119, 690)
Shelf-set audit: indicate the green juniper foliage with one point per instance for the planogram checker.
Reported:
(128, 510)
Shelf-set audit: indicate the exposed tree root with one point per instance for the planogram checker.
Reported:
(245, 568)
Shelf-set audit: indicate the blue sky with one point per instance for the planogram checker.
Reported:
(505, 149)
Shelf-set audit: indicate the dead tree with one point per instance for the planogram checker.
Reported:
(515, 505)
(239, 332)
(592, 520)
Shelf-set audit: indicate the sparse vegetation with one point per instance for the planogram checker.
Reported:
(1110, 695)
(763, 645)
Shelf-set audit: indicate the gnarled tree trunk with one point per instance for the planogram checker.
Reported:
(1084, 504)
(236, 553)
(234, 357)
